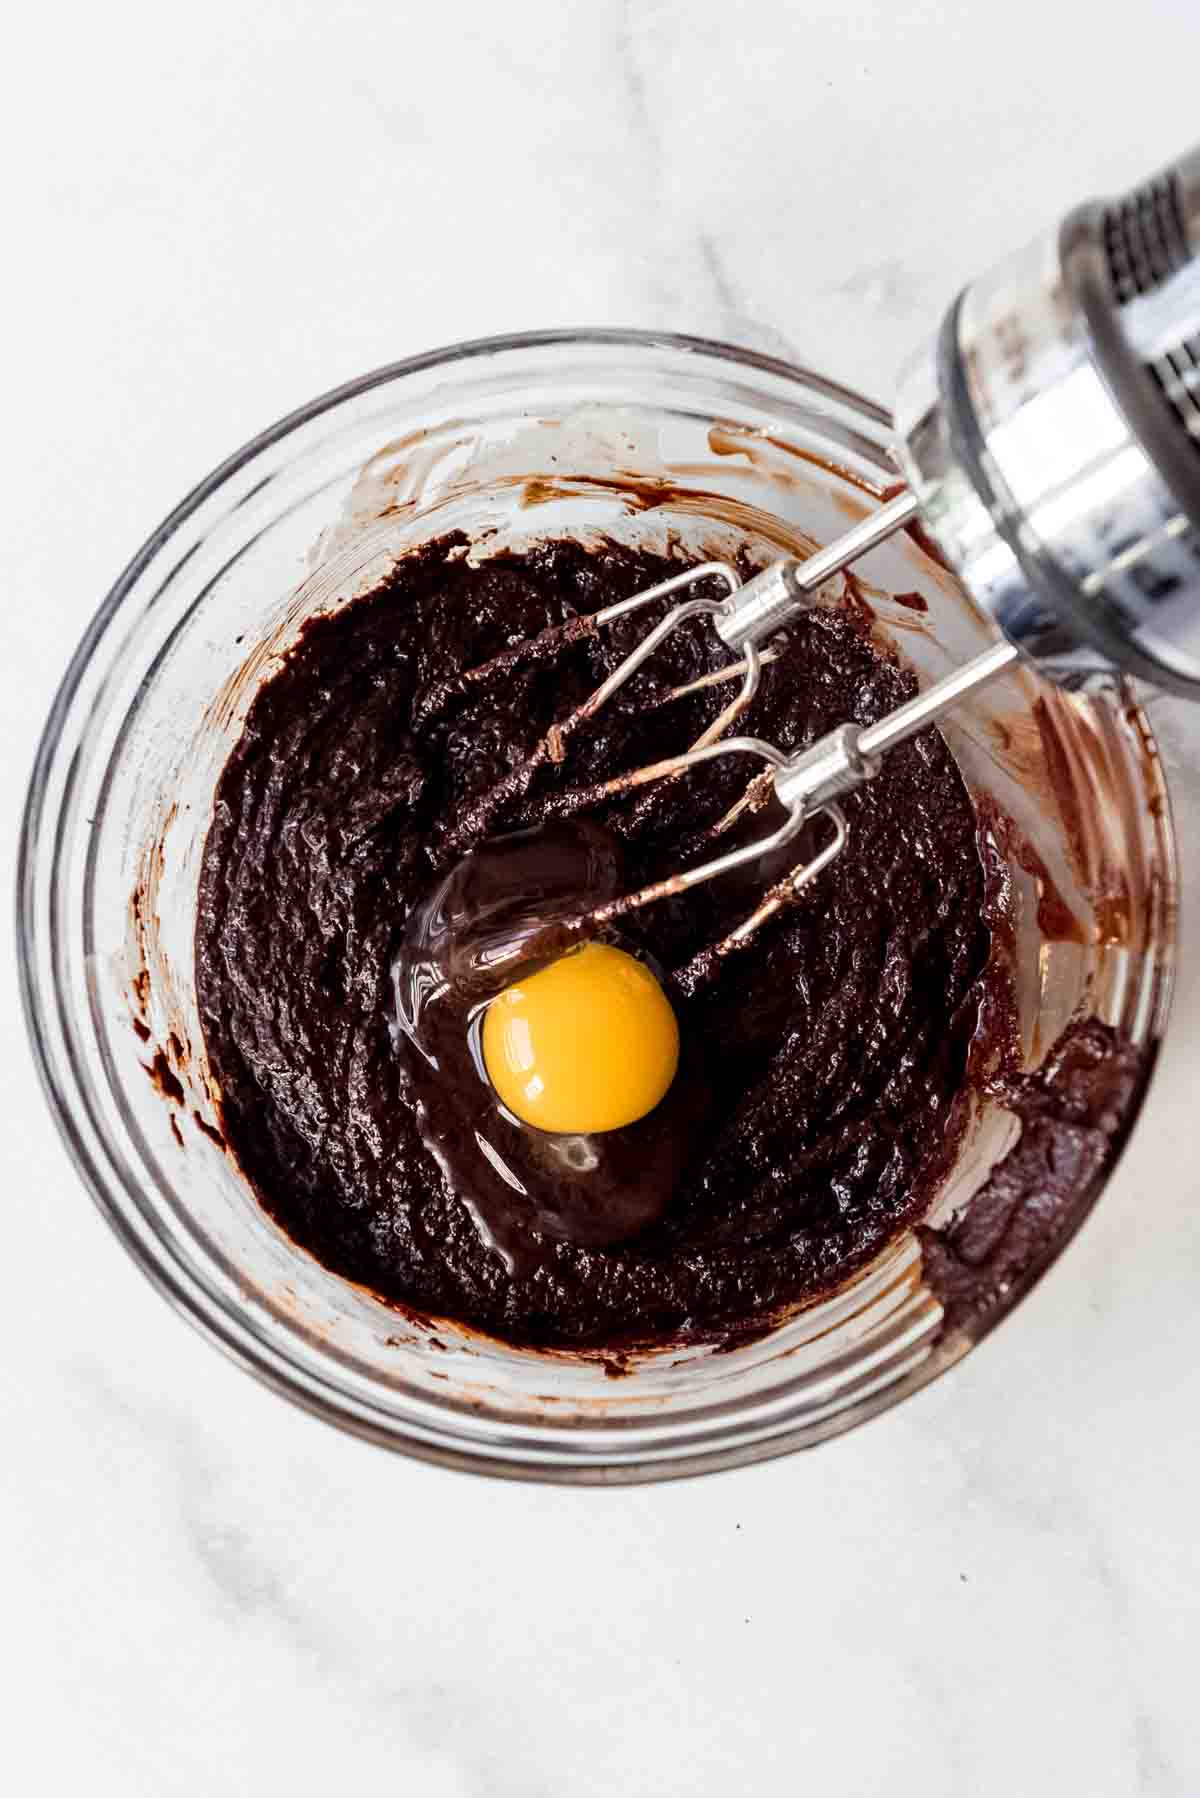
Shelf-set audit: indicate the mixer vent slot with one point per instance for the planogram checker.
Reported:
(1145, 241)
(1178, 374)
(1144, 238)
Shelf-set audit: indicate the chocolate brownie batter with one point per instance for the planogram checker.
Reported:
(817, 1101)
(1074, 1112)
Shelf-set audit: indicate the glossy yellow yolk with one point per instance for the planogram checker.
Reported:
(589, 1043)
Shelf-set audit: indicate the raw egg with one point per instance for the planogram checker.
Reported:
(588, 1044)
(527, 1050)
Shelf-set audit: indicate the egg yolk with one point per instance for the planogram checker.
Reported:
(589, 1043)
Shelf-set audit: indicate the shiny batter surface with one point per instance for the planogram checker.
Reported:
(831, 1052)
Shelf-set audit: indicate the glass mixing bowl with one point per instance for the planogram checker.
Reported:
(636, 435)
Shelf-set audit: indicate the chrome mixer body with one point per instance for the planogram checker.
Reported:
(1050, 441)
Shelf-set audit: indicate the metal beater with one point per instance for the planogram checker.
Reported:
(1050, 441)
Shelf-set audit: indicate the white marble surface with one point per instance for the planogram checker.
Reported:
(210, 214)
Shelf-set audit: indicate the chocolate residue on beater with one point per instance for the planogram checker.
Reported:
(838, 1040)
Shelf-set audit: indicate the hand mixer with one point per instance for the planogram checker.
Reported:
(1050, 442)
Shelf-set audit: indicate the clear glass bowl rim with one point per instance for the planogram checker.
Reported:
(114, 1204)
